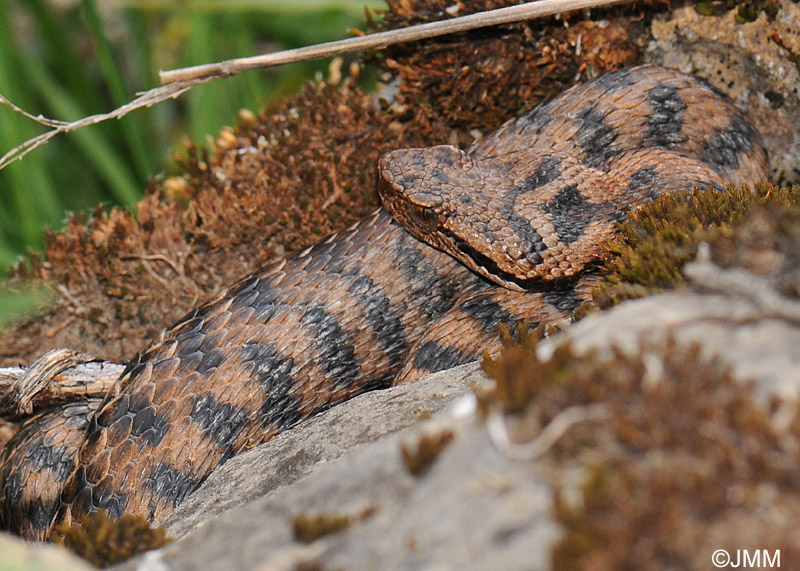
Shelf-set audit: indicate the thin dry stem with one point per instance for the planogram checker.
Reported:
(178, 81)
(550, 435)
(146, 99)
(507, 15)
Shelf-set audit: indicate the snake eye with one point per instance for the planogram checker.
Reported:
(425, 217)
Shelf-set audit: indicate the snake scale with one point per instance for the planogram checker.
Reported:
(466, 240)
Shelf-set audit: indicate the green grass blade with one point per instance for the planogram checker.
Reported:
(207, 103)
(27, 196)
(21, 302)
(354, 8)
(58, 51)
(131, 128)
(95, 146)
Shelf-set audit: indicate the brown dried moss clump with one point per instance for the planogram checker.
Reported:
(308, 528)
(685, 463)
(279, 181)
(479, 79)
(103, 541)
(418, 457)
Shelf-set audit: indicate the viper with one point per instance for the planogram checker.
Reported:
(505, 231)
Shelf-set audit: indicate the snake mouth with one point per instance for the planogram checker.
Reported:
(488, 268)
(485, 267)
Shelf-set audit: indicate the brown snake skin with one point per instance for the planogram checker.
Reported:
(521, 215)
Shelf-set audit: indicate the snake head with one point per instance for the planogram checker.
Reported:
(422, 177)
(416, 185)
(516, 219)
(447, 199)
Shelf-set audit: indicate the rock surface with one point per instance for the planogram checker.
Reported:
(475, 508)
(751, 62)
(293, 454)
(18, 555)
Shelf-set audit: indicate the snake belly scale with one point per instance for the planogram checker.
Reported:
(513, 223)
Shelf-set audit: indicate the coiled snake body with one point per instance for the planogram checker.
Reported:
(513, 222)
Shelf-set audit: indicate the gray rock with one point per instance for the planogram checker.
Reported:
(19, 555)
(756, 347)
(294, 453)
(475, 508)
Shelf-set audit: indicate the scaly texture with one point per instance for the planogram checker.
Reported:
(372, 306)
(539, 198)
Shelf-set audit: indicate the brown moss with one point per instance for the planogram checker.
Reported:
(103, 541)
(309, 528)
(419, 457)
(284, 178)
(685, 465)
(517, 372)
(478, 79)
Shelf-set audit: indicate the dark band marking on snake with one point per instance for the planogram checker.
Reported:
(432, 356)
(566, 300)
(726, 145)
(273, 375)
(665, 124)
(513, 223)
(487, 312)
(221, 421)
(595, 137)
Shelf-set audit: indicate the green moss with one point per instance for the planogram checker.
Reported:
(746, 10)
(713, 7)
(662, 236)
(103, 541)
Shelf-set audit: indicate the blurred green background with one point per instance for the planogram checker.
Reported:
(67, 59)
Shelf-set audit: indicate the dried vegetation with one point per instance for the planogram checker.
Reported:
(103, 541)
(685, 463)
(282, 179)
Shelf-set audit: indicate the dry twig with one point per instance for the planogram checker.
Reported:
(529, 11)
(178, 81)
